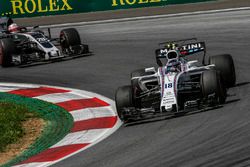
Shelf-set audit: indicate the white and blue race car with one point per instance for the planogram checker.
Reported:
(177, 85)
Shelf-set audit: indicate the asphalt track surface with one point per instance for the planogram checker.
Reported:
(217, 137)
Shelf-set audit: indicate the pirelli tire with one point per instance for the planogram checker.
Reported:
(7, 48)
(69, 37)
(211, 84)
(123, 99)
(225, 65)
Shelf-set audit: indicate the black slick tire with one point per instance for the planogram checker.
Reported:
(225, 65)
(211, 83)
(123, 99)
(7, 48)
(69, 37)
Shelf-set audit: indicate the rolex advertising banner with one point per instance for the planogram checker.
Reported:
(31, 8)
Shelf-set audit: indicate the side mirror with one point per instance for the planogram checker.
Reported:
(35, 27)
(191, 63)
(151, 69)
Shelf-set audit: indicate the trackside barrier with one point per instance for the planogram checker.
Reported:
(32, 8)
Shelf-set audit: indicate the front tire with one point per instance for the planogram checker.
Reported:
(69, 37)
(225, 65)
(70, 42)
(211, 84)
(123, 99)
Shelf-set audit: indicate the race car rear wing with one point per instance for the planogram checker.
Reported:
(184, 48)
(177, 41)
(192, 48)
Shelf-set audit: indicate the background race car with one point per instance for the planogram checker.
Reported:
(24, 46)
(178, 85)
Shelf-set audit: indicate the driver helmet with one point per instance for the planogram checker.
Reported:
(173, 61)
(172, 56)
(13, 28)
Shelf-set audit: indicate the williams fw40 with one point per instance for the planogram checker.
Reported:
(23, 46)
(178, 85)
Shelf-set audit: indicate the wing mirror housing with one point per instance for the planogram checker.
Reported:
(151, 69)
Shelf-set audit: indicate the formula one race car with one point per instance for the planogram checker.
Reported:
(20, 46)
(178, 85)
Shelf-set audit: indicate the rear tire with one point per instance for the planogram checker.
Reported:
(225, 65)
(123, 99)
(7, 48)
(211, 83)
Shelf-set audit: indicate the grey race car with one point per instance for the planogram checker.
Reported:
(28, 46)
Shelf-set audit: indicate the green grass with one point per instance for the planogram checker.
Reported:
(11, 117)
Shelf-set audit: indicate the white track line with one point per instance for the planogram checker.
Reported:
(88, 113)
(88, 136)
(35, 164)
(60, 97)
(11, 87)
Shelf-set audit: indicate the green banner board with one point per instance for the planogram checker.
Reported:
(31, 8)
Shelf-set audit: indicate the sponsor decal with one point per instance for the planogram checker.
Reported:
(194, 46)
(168, 100)
(23, 7)
(116, 3)
(184, 49)
(164, 51)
